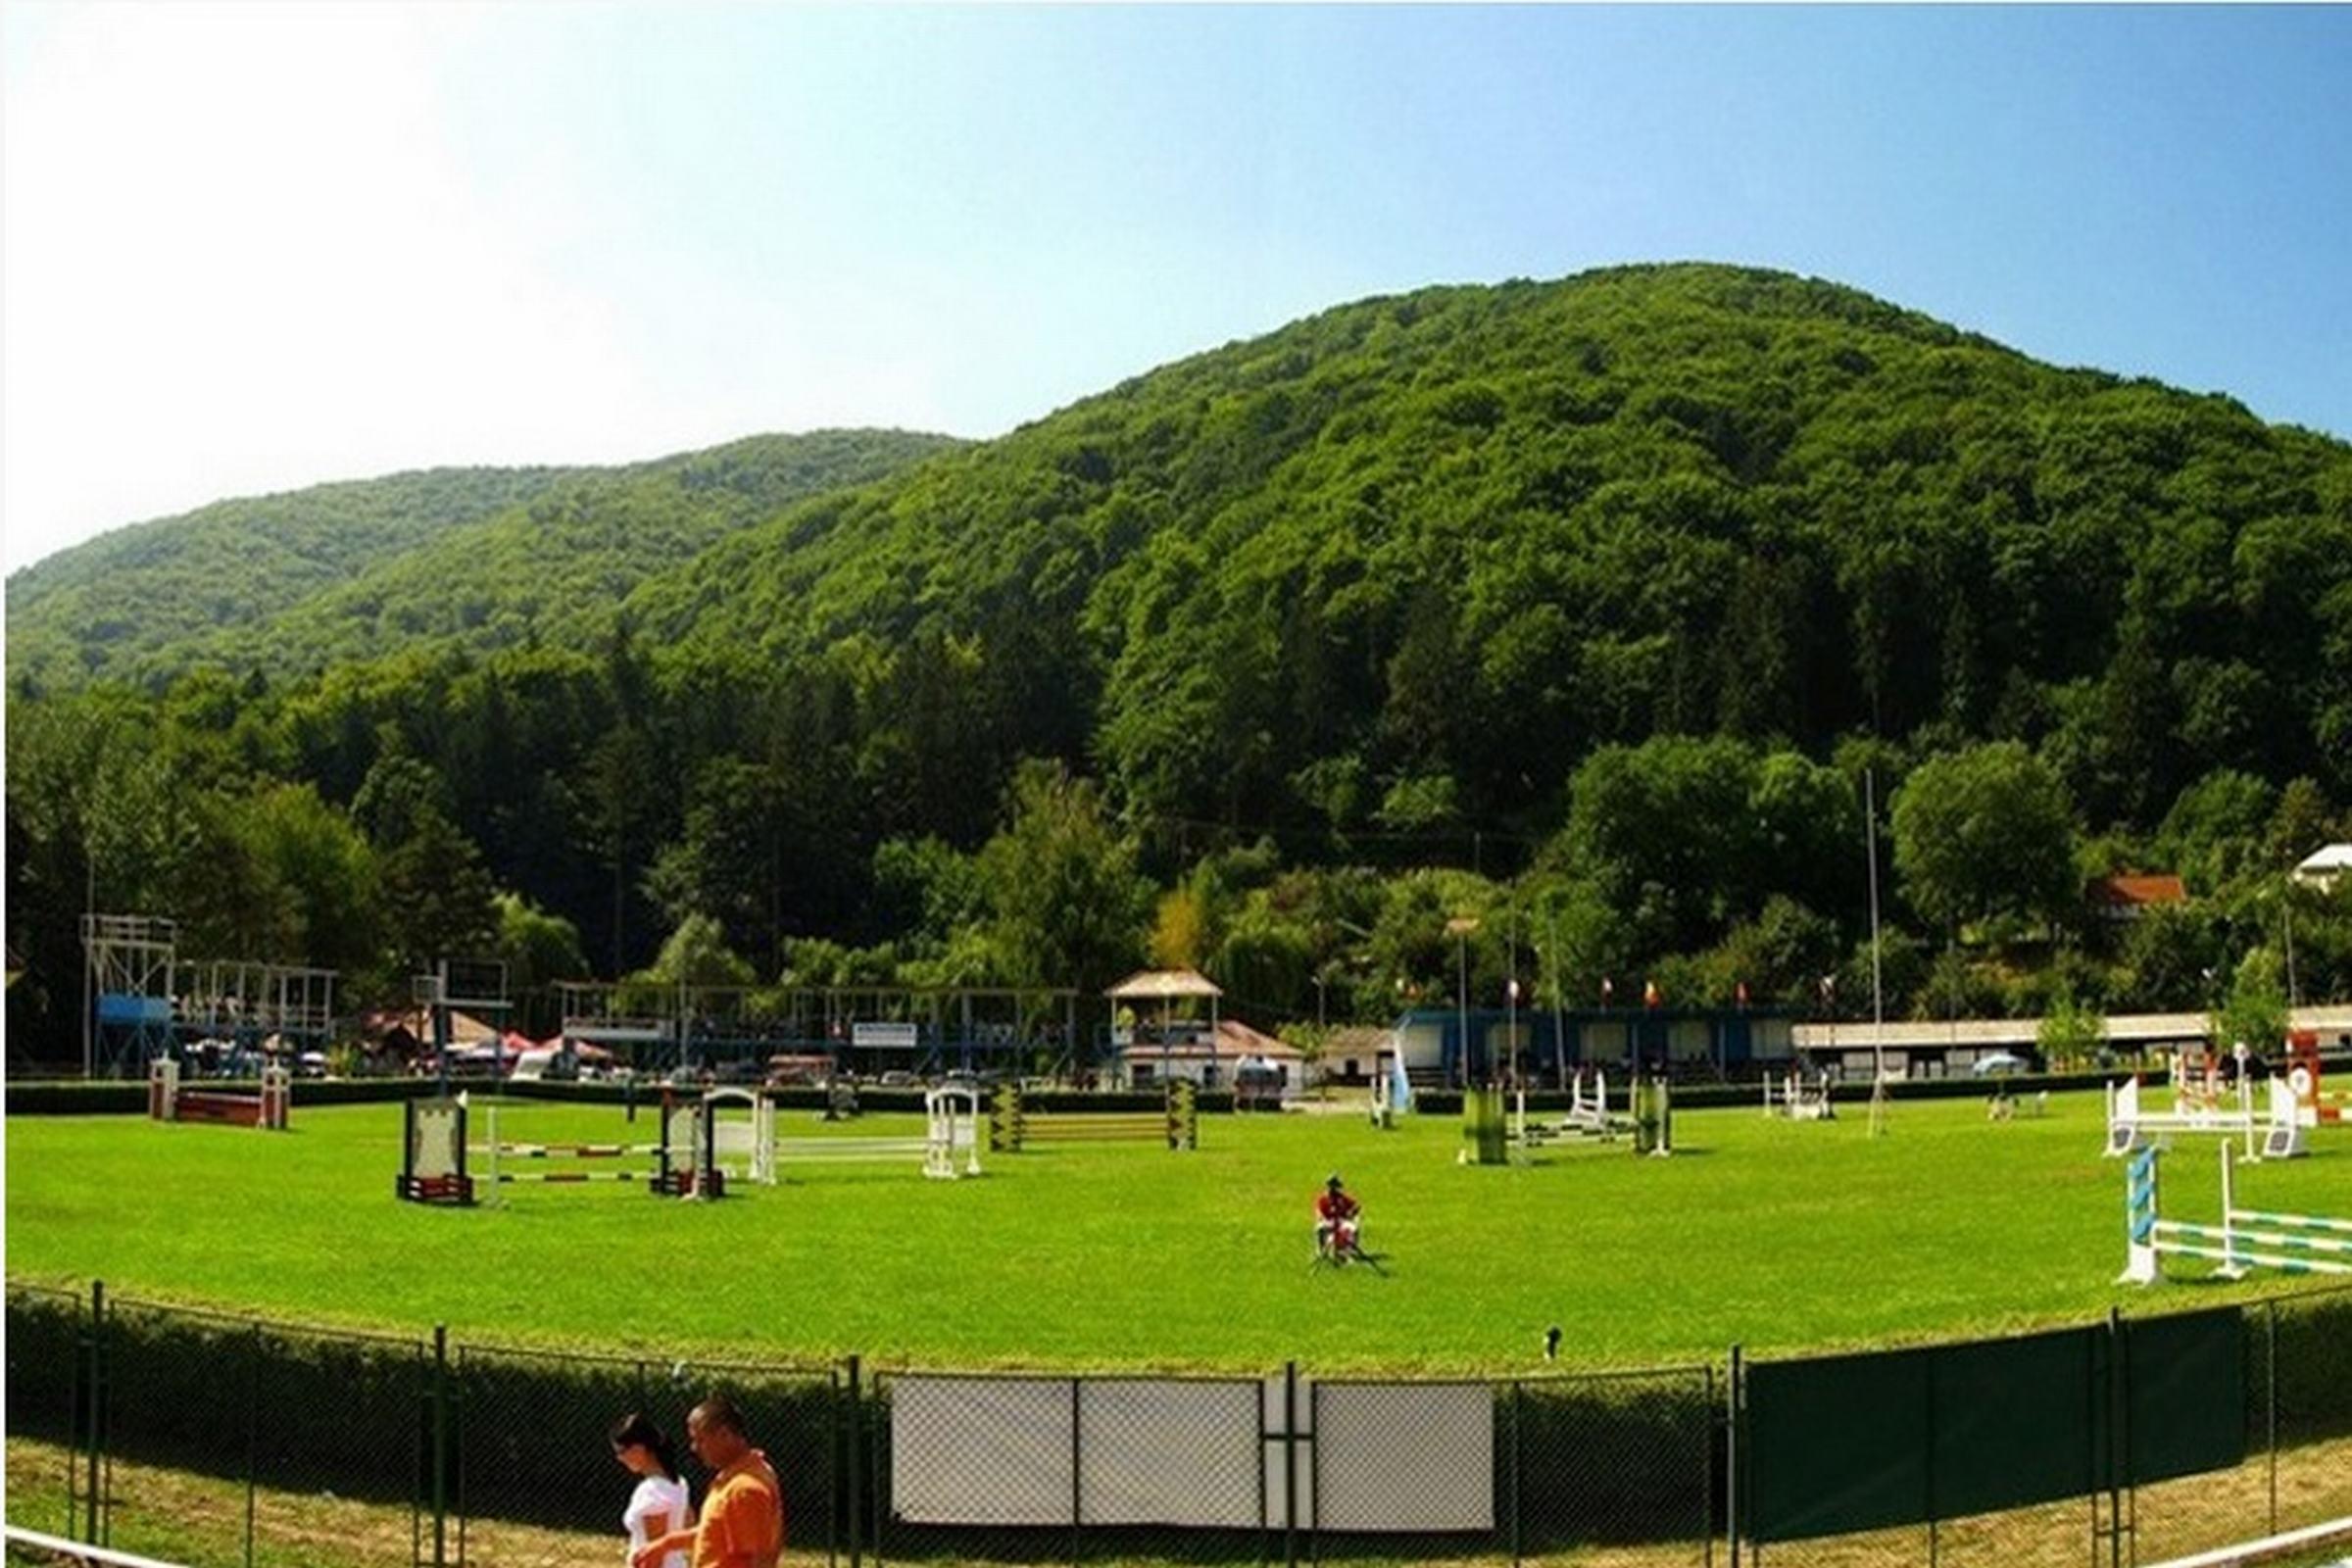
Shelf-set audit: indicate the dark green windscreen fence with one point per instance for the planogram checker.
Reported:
(1839, 1444)
(2186, 1406)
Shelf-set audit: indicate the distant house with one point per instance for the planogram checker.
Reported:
(1355, 1052)
(2324, 868)
(2132, 895)
(1214, 1060)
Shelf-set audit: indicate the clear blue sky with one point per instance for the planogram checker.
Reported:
(267, 247)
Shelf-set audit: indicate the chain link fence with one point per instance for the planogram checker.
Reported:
(222, 1442)
(533, 1469)
(45, 1408)
(1054, 1468)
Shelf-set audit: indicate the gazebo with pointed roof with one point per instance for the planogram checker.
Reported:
(1168, 987)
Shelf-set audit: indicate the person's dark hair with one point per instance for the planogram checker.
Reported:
(637, 1429)
(720, 1411)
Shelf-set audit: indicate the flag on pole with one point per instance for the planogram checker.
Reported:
(1651, 995)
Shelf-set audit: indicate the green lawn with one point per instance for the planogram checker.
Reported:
(1774, 1235)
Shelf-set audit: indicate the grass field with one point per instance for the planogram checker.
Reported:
(1777, 1235)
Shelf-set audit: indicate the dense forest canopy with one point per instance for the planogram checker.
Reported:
(1583, 604)
(484, 557)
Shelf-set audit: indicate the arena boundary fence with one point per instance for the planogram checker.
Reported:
(2119, 1441)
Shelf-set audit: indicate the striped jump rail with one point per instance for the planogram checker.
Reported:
(565, 1151)
(559, 1177)
(852, 1148)
(682, 1163)
(2246, 1239)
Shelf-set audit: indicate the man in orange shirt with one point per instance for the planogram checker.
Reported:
(742, 1524)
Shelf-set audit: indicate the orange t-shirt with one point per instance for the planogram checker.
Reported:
(743, 1517)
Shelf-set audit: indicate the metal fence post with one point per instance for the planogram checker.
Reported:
(1290, 1464)
(2269, 1399)
(1732, 1450)
(1707, 1557)
(1077, 1472)
(440, 1483)
(2119, 1441)
(1518, 1413)
(253, 1428)
(853, 1498)
(1928, 1469)
(95, 1501)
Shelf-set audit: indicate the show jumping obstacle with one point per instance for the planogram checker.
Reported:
(2279, 1136)
(952, 1129)
(1651, 1122)
(2246, 1239)
(435, 1156)
(1792, 1097)
(270, 1110)
(1012, 1126)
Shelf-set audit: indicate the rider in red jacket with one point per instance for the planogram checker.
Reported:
(1337, 1219)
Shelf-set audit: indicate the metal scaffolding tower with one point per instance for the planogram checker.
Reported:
(130, 960)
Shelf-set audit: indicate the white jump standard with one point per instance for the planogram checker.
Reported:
(949, 1149)
(2279, 1136)
(2246, 1239)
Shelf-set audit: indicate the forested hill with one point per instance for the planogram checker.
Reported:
(486, 557)
(1582, 604)
(1410, 560)
(101, 608)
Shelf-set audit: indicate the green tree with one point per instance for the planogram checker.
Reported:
(1981, 833)
(1669, 824)
(2254, 1012)
(696, 954)
(2216, 830)
(2172, 956)
(2304, 822)
(438, 899)
(539, 949)
(2070, 1033)
(1065, 903)
(1180, 929)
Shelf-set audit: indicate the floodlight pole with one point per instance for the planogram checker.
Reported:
(2286, 917)
(1462, 925)
(1560, 1022)
(441, 1023)
(1461, 999)
(89, 984)
(1878, 995)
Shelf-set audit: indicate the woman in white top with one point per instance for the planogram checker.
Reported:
(660, 1503)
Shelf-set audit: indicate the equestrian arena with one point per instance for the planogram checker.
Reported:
(1768, 1230)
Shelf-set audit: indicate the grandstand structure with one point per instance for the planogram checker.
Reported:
(922, 1030)
(146, 1001)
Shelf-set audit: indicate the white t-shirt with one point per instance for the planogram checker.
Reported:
(656, 1508)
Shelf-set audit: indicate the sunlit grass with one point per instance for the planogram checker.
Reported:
(1771, 1234)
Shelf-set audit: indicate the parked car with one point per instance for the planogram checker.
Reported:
(1999, 1065)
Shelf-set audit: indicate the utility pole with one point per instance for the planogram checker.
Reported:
(1878, 993)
